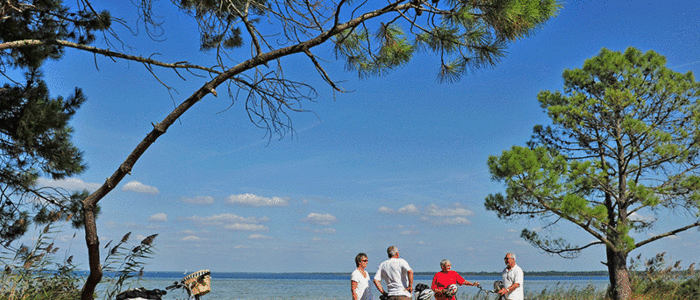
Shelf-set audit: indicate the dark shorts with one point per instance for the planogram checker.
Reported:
(399, 298)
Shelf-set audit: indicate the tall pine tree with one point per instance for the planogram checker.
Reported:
(34, 130)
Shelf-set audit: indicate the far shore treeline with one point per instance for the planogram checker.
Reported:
(475, 274)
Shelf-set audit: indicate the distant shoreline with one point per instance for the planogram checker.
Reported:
(479, 274)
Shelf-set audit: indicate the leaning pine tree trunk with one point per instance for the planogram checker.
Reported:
(620, 288)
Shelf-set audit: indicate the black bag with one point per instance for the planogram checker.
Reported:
(420, 287)
(141, 293)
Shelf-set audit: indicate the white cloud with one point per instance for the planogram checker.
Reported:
(455, 215)
(254, 200)
(386, 210)
(231, 222)
(451, 221)
(198, 200)
(227, 218)
(409, 209)
(320, 219)
(190, 238)
(327, 230)
(259, 237)
(70, 184)
(456, 211)
(638, 217)
(138, 187)
(434, 214)
(160, 217)
(246, 227)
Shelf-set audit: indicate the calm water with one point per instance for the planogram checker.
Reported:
(326, 286)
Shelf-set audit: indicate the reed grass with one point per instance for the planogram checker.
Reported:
(33, 273)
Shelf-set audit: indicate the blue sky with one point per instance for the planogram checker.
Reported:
(400, 160)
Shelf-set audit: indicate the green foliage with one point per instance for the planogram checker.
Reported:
(35, 140)
(34, 131)
(659, 280)
(624, 139)
(32, 273)
(218, 20)
(465, 35)
(45, 20)
(561, 292)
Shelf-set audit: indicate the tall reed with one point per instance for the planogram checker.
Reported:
(31, 272)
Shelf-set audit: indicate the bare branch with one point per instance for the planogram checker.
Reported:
(105, 52)
(670, 233)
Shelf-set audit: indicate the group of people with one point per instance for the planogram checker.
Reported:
(398, 277)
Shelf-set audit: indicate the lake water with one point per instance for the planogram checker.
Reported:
(326, 286)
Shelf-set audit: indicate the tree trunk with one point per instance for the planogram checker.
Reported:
(93, 245)
(620, 288)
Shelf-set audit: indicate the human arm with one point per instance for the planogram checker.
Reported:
(378, 284)
(436, 286)
(410, 281)
(461, 281)
(511, 288)
(516, 281)
(466, 282)
(353, 286)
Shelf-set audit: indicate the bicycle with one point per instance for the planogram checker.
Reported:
(196, 284)
(497, 286)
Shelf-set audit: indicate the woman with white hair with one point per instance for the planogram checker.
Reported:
(443, 280)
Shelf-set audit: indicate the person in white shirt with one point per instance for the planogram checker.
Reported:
(512, 279)
(397, 274)
(359, 279)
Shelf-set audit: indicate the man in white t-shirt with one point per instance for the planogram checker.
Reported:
(397, 274)
(512, 279)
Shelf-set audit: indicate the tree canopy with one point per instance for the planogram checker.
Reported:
(624, 141)
(34, 130)
(369, 37)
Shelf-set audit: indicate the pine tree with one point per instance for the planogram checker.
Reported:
(624, 140)
(34, 130)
